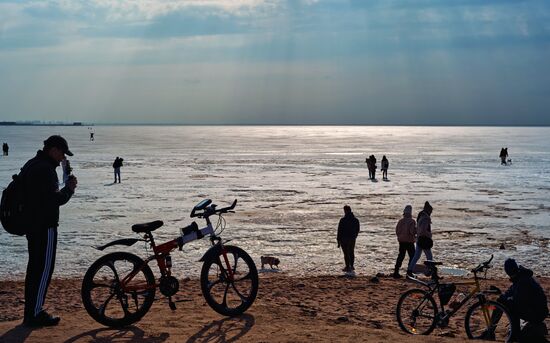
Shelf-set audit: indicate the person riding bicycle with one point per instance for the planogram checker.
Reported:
(526, 301)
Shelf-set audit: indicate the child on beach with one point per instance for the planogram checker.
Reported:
(406, 234)
(424, 241)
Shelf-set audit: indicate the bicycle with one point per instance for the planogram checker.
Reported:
(418, 314)
(119, 288)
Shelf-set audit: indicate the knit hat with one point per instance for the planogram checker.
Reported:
(408, 209)
(427, 207)
(511, 267)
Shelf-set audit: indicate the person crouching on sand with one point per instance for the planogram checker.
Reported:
(348, 229)
(406, 235)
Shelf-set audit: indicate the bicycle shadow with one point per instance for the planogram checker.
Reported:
(224, 331)
(18, 334)
(128, 334)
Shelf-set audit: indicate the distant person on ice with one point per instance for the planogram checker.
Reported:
(384, 165)
(117, 165)
(369, 166)
(373, 165)
(503, 155)
(5, 149)
(348, 229)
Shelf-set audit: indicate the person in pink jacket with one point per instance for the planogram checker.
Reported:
(406, 236)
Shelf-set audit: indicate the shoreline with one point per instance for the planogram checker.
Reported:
(327, 308)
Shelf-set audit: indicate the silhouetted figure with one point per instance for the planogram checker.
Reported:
(91, 136)
(526, 300)
(117, 165)
(5, 149)
(424, 241)
(369, 166)
(43, 199)
(406, 236)
(503, 155)
(384, 165)
(373, 166)
(348, 229)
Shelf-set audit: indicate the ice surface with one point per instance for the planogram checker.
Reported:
(291, 183)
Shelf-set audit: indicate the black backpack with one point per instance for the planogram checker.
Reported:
(12, 206)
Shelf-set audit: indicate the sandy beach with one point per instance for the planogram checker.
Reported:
(326, 308)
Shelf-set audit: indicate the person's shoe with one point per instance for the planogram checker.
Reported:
(42, 319)
(345, 269)
(396, 275)
(410, 274)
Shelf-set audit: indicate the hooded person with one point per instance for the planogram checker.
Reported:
(526, 301)
(424, 240)
(405, 231)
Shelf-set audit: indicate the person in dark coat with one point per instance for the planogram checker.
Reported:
(42, 201)
(348, 229)
(526, 301)
(5, 149)
(117, 165)
(373, 166)
(385, 164)
(405, 231)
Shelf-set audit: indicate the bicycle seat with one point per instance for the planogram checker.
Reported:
(431, 263)
(147, 227)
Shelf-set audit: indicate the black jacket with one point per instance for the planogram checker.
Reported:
(526, 297)
(348, 228)
(42, 194)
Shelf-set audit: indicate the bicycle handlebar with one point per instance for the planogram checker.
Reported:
(483, 266)
(210, 210)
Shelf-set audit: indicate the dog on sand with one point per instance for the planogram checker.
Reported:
(272, 261)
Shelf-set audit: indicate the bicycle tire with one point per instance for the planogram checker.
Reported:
(477, 327)
(409, 304)
(216, 286)
(100, 287)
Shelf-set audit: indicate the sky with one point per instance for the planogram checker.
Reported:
(289, 62)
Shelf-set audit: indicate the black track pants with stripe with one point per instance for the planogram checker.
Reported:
(42, 249)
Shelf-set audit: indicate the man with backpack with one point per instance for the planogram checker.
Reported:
(42, 198)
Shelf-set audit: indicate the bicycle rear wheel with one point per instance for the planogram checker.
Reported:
(488, 320)
(102, 294)
(416, 312)
(227, 295)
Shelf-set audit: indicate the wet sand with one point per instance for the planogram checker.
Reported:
(329, 308)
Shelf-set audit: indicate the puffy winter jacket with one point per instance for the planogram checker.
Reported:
(406, 230)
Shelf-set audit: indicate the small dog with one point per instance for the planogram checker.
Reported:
(272, 261)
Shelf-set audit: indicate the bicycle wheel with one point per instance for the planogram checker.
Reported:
(226, 295)
(488, 320)
(102, 294)
(416, 312)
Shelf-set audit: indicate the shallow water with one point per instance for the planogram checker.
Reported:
(291, 183)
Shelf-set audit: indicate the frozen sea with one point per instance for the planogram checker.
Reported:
(291, 183)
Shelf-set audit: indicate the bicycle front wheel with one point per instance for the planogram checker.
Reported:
(416, 312)
(488, 320)
(229, 285)
(105, 299)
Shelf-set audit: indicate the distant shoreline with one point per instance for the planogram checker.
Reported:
(13, 123)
